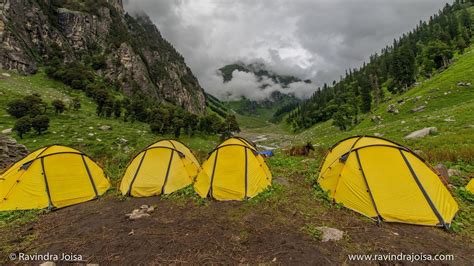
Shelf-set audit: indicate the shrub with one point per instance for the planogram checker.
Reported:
(59, 106)
(31, 105)
(17, 108)
(40, 123)
(23, 126)
(76, 104)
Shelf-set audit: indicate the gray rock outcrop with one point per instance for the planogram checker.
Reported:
(422, 133)
(10, 151)
(135, 55)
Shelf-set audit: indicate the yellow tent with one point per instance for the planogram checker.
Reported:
(233, 171)
(53, 177)
(470, 186)
(161, 168)
(385, 181)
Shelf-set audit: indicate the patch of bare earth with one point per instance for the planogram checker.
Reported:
(226, 232)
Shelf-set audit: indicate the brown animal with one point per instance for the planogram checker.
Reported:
(301, 150)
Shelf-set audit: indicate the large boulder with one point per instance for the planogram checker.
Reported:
(10, 151)
(422, 133)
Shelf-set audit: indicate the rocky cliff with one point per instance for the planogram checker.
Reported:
(135, 55)
(10, 151)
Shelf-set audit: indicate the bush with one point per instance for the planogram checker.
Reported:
(31, 105)
(59, 106)
(17, 108)
(76, 104)
(23, 126)
(40, 123)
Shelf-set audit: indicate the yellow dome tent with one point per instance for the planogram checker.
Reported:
(385, 181)
(233, 171)
(51, 177)
(161, 168)
(470, 186)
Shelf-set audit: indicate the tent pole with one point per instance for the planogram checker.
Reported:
(425, 194)
(136, 173)
(368, 188)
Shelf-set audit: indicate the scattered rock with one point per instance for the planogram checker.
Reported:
(6, 75)
(131, 233)
(150, 209)
(449, 119)
(80, 139)
(392, 109)
(122, 141)
(420, 153)
(136, 216)
(376, 119)
(378, 134)
(330, 234)
(7, 131)
(105, 128)
(464, 84)
(48, 263)
(281, 180)
(418, 98)
(90, 134)
(442, 170)
(126, 149)
(418, 109)
(98, 140)
(10, 151)
(138, 213)
(403, 122)
(454, 172)
(422, 133)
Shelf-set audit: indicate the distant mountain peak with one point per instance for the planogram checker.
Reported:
(260, 70)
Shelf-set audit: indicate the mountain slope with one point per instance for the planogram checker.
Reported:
(416, 55)
(260, 71)
(448, 107)
(127, 51)
(81, 129)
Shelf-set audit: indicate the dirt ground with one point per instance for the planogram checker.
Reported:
(182, 231)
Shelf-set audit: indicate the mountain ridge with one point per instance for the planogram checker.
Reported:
(133, 55)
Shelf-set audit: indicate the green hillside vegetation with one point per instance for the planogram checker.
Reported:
(419, 54)
(294, 207)
(216, 106)
(448, 107)
(81, 129)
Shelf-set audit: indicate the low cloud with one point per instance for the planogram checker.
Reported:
(310, 39)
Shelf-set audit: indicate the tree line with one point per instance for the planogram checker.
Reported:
(418, 54)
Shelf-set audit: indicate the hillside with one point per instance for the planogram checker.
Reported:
(448, 107)
(284, 224)
(127, 52)
(81, 129)
(416, 55)
(261, 71)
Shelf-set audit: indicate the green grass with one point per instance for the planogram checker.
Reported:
(81, 129)
(445, 100)
(453, 145)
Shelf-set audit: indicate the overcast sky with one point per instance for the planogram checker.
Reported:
(312, 39)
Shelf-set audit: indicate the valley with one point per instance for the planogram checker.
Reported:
(107, 83)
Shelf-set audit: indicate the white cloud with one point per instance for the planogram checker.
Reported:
(316, 39)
